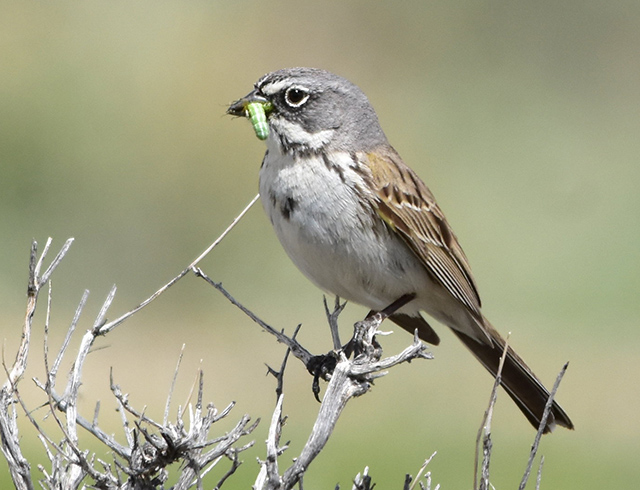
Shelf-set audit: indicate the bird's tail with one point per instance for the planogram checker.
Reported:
(518, 380)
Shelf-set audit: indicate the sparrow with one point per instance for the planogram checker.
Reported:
(361, 224)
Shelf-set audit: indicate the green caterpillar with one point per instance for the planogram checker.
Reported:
(258, 118)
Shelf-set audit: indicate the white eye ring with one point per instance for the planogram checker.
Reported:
(296, 96)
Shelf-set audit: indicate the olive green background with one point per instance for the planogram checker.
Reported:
(523, 118)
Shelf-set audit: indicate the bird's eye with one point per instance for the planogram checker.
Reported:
(296, 96)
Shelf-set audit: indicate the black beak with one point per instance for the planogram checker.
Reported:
(239, 107)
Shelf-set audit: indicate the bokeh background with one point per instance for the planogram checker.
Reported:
(524, 119)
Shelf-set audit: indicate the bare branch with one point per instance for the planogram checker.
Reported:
(225, 232)
(422, 468)
(362, 481)
(349, 379)
(232, 454)
(152, 447)
(539, 478)
(279, 375)
(543, 423)
(485, 427)
(19, 467)
(144, 460)
(37, 266)
(269, 475)
(56, 261)
(296, 349)
(332, 318)
(111, 325)
(165, 418)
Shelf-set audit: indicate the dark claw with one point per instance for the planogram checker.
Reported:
(321, 367)
(315, 387)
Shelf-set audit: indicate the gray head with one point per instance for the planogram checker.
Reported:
(313, 110)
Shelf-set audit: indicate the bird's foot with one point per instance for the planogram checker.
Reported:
(364, 332)
(363, 343)
(321, 366)
(364, 340)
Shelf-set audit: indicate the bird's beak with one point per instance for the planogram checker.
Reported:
(256, 108)
(239, 107)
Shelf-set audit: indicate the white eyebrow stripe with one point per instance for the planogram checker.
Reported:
(272, 88)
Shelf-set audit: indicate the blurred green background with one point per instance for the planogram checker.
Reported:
(523, 118)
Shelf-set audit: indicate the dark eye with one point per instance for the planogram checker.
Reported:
(296, 96)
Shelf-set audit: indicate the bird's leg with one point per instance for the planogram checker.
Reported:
(357, 343)
(396, 305)
(323, 365)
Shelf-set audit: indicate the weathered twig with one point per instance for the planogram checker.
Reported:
(539, 476)
(18, 465)
(296, 349)
(269, 476)
(114, 323)
(332, 318)
(421, 470)
(543, 423)
(362, 481)
(165, 418)
(485, 428)
(151, 446)
(350, 378)
(279, 375)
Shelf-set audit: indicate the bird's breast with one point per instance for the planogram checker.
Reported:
(322, 215)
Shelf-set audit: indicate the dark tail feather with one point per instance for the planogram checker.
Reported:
(413, 323)
(517, 379)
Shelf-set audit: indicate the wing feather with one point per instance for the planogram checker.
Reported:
(407, 205)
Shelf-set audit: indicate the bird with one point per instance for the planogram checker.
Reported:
(362, 225)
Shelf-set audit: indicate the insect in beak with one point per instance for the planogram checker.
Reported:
(256, 108)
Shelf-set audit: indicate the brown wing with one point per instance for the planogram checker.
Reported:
(407, 205)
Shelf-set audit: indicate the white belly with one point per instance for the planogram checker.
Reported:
(343, 247)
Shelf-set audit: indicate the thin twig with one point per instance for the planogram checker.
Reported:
(539, 477)
(332, 318)
(422, 468)
(279, 375)
(485, 427)
(165, 418)
(56, 261)
(349, 379)
(38, 265)
(543, 424)
(296, 349)
(90, 427)
(114, 323)
(235, 464)
(18, 465)
(67, 338)
(225, 232)
(273, 475)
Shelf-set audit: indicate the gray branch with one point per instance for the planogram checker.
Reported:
(350, 378)
(150, 447)
(18, 465)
